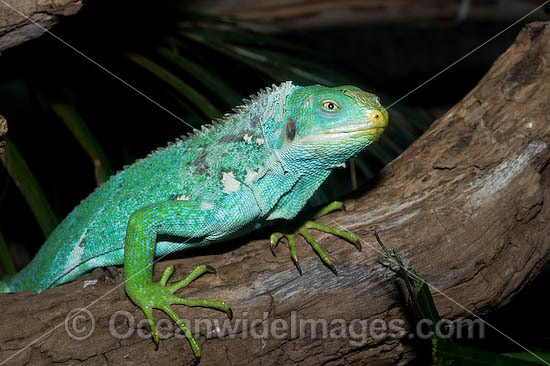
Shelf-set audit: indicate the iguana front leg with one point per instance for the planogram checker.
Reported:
(200, 223)
(303, 230)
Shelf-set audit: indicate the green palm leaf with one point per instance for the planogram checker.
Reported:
(29, 187)
(74, 122)
(198, 100)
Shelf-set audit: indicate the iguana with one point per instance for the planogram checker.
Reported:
(259, 164)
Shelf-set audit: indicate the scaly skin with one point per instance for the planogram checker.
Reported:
(260, 164)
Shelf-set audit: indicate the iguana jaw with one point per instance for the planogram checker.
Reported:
(376, 120)
(371, 128)
(356, 131)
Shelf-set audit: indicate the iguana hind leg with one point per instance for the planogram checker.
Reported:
(304, 232)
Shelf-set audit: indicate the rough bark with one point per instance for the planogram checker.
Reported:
(15, 26)
(277, 16)
(3, 131)
(467, 205)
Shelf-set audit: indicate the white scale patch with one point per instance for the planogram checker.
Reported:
(230, 184)
(74, 258)
(182, 198)
(260, 141)
(250, 176)
(206, 206)
(247, 138)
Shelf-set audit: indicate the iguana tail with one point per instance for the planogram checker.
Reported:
(13, 283)
(4, 285)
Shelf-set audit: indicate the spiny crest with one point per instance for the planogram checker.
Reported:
(262, 100)
(260, 97)
(248, 103)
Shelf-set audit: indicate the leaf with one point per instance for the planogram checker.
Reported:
(209, 79)
(407, 114)
(74, 122)
(29, 188)
(246, 38)
(364, 168)
(199, 100)
(306, 70)
(5, 258)
(445, 353)
(526, 356)
(255, 61)
(382, 154)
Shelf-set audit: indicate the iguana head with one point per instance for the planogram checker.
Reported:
(326, 126)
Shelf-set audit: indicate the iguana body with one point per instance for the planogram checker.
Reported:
(259, 164)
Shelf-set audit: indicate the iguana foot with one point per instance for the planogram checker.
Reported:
(161, 296)
(303, 230)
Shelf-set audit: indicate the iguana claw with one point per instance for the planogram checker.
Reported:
(303, 231)
(274, 239)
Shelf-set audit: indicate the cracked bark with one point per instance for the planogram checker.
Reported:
(16, 28)
(476, 229)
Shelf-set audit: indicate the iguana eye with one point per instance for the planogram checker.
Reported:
(331, 106)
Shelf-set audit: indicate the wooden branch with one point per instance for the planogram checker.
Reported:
(283, 16)
(3, 131)
(16, 28)
(467, 205)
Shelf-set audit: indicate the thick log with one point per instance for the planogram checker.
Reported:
(15, 26)
(467, 205)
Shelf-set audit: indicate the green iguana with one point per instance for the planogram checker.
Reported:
(257, 165)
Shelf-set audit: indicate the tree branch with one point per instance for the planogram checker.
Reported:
(3, 131)
(16, 28)
(284, 16)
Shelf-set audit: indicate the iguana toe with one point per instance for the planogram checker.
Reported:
(161, 296)
(303, 230)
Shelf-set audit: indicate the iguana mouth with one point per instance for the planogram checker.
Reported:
(360, 131)
(377, 131)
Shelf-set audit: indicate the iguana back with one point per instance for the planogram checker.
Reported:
(218, 158)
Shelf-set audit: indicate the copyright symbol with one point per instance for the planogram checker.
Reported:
(79, 324)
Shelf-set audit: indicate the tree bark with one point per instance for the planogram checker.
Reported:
(3, 131)
(15, 26)
(467, 206)
(284, 16)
